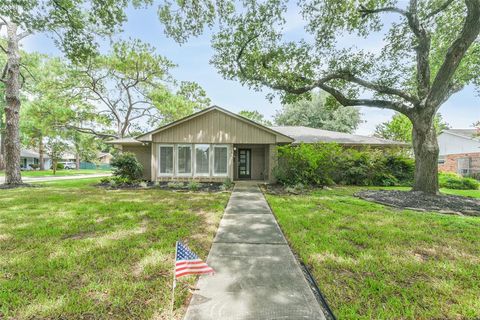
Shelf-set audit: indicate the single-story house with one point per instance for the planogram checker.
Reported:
(28, 157)
(459, 151)
(104, 157)
(215, 144)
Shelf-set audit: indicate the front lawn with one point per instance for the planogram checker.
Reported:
(60, 173)
(73, 251)
(376, 262)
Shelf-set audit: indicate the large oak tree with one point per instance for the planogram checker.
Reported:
(430, 51)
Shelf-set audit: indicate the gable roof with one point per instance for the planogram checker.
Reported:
(311, 135)
(464, 133)
(147, 137)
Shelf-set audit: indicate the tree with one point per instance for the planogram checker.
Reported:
(322, 112)
(430, 52)
(74, 26)
(255, 116)
(55, 147)
(132, 85)
(399, 128)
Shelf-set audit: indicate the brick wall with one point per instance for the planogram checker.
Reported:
(451, 162)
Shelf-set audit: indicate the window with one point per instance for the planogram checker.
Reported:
(220, 160)
(202, 159)
(165, 167)
(184, 160)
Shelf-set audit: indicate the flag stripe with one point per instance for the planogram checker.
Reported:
(181, 274)
(187, 262)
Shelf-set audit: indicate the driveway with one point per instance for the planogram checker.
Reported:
(257, 275)
(53, 178)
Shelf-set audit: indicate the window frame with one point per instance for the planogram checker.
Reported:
(203, 174)
(160, 146)
(191, 160)
(226, 174)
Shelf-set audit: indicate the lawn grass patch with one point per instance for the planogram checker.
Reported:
(377, 262)
(71, 250)
(60, 173)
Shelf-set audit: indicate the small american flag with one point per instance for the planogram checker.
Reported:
(187, 262)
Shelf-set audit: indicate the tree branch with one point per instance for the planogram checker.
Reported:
(90, 131)
(455, 54)
(365, 11)
(439, 9)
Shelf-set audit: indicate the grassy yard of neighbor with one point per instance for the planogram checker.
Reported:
(60, 173)
(376, 262)
(71, 250)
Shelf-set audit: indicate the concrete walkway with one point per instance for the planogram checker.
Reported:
(56, 178)
(257, 275)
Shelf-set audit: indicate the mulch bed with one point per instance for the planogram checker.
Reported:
(419, 201)
(202, 187)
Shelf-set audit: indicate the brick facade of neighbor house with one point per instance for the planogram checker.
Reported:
(462, 163)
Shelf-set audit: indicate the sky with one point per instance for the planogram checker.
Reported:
(193, 58)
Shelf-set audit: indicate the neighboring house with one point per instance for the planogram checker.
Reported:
(459, 151)
(215, 144)
(28, 157)
(104, 157)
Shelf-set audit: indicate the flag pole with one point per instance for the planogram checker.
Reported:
(174, 284)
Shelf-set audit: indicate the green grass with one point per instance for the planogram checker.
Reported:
(375, 262)
(70, 250)
(60, 173)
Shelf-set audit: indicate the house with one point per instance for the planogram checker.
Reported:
(104, 157)
(215, 144)
(28, 157)
(459, 151)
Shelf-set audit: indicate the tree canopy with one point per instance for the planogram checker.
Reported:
(255, 116)
(319, 112)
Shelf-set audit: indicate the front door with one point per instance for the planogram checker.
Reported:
(244, 163)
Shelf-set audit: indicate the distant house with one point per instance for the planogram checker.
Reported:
(215, 144)
(104, 157)
(28, 157)
(459, 151)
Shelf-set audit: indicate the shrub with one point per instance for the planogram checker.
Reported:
(454, 181)
(228, 184)
(34, 166)
(193, 185)
(324, 164)
(60, 166)
(175, 185)
(127, 166)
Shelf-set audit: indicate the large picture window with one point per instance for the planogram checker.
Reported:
(165, 166)
(184, 160)
(220, 160)
(202, 157)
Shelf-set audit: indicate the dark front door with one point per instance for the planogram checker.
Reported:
(244, 163)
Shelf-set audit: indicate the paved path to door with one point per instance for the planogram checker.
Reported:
(257, 275)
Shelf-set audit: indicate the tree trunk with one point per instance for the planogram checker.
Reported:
(12, 109)
(2, 144)
(425, 147)
(41, 154)
(77, 160)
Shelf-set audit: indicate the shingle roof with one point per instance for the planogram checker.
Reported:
(468, 133)
(311, 135)
(129, 140)
(26, 153)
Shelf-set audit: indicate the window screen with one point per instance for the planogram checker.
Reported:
(220, 160)
(201, 158)
(184, 159)
(166, 160)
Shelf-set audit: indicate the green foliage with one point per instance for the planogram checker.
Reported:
(320, 111)
(60, 166)
(175, 185)
(454, 181)
(255, 116)
(127, 167)
(228, 184)
(327, 163)
(399, 128)
(193, 185)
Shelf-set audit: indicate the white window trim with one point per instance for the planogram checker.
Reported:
(226, 174)
(160, 174)
(191, 161)
(195, 173)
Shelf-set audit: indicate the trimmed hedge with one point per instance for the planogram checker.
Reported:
(454, 181)
(324, 164)
(127, 167)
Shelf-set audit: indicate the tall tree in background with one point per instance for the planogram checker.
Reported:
(322, 112)
(430, 51)
(72, 24)
(132, 85)
(399, 128)
(255, 116)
